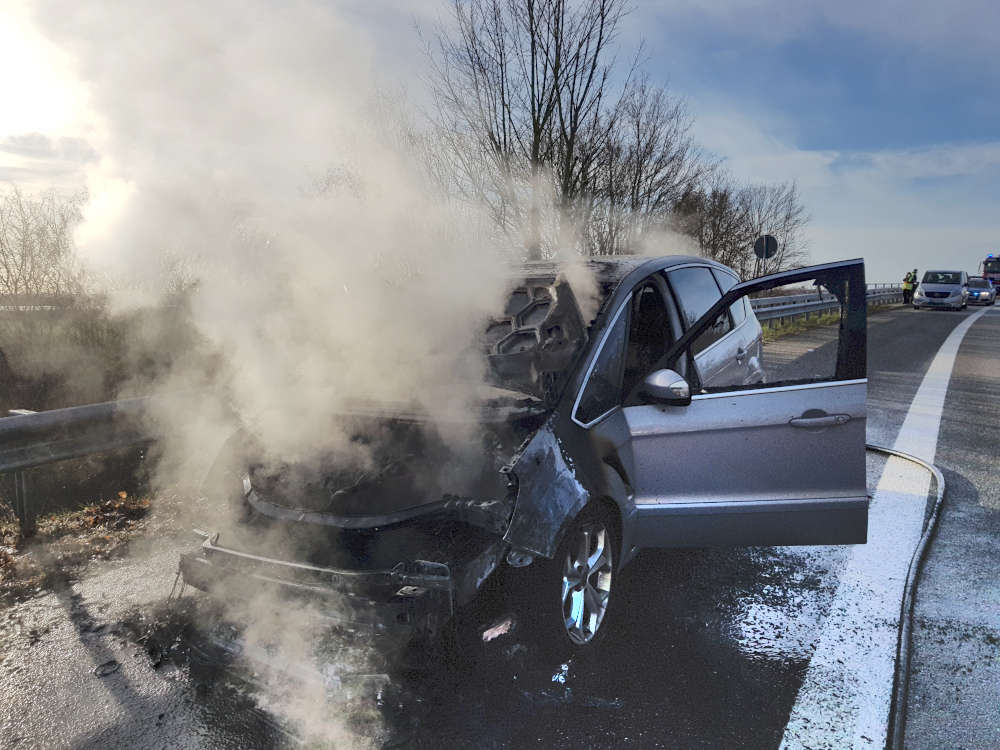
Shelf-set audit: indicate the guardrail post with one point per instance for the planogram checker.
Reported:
(29, 439)
(22, 504)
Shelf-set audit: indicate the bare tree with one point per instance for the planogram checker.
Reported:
(36, 243)
(713, 214)
(537, 121)
(650, 163)
(522, 91)
(775, 210)
(57, 341)
(726, 218)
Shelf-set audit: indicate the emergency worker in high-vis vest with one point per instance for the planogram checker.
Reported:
(907, 287)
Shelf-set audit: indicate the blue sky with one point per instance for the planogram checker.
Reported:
(844, 87)
(886, 113)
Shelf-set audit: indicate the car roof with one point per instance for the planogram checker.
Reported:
(613, 269)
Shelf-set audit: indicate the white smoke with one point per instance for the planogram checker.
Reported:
(242, 137)
(247, 139)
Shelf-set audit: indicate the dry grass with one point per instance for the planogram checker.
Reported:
(67, 541)
(800, 325)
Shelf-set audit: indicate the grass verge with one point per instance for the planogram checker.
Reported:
(68, 540)
(801, 325)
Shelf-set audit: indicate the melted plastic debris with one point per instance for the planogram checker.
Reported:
(503, 627)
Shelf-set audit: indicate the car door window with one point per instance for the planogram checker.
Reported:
(696, 291)
(602, 391)
(803, 334)
(737, 310)
(649, 334)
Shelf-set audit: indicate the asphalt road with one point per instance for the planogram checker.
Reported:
(714, 648)
(955, 687)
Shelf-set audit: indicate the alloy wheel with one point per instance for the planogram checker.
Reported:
(586, 581)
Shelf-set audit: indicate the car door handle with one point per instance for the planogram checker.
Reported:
(824, 420)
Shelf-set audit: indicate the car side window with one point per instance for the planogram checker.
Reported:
(696, 291)
(602, 391)
(737, 310)
(808, 330)
(649, 333)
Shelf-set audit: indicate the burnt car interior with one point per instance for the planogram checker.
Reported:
(539, 335)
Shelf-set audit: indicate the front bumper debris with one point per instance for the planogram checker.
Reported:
(412, 599)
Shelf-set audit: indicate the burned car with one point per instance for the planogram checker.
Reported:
(666, 421)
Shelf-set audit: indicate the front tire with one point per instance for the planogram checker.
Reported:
(574, 591)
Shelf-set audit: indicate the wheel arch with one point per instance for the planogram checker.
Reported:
(551, 497)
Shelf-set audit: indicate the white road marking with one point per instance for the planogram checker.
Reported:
(844, 698)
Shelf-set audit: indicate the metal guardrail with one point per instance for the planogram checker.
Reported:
(30, 439)
(770, 309)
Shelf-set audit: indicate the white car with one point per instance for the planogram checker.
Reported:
(948, 289)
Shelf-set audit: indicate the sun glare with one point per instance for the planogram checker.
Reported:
(40, 93)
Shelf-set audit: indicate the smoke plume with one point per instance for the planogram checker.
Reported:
(245, 143)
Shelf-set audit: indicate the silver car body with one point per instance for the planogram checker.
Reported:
(750, 465)
(753, 455)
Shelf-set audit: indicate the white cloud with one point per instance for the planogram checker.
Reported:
(946, 160)
(857, 199)
(883, 205)
(36, 162)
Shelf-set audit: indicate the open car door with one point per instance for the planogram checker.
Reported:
(767, 447)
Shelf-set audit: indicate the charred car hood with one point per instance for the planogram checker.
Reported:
(413, 466)
(413, 462)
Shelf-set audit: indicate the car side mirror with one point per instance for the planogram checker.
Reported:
(666, 387)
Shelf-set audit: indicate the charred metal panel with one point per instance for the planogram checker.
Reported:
(491, 515)
(549, 493)
(388, 606)
(415, 596)
(411, 473)
(533, 345)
